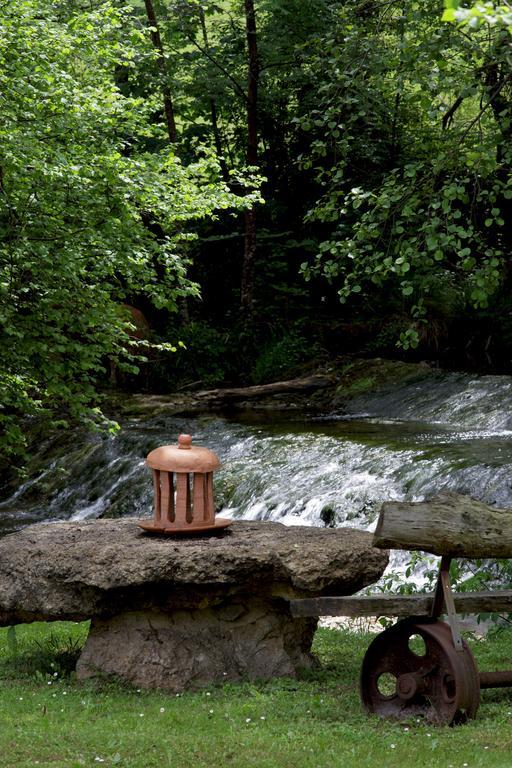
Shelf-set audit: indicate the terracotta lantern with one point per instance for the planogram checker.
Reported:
(183, 485)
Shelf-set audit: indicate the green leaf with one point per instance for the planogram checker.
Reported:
(448, 15)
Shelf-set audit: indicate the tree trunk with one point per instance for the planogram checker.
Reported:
(166, 91)
(213, 108)
(450, 524)
(170, 122)
(498, 82)
(247, 285)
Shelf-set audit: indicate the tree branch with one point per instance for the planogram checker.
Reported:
(238, 88)
(448, 116)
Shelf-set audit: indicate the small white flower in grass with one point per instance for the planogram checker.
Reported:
(64, 693)
(208, 693)
(406, 728)
(486, 747)
(392, 746)
(99, 760)
(138, 690)
(141, 714)
(263, 717)
(49, 682)
(55, 674)
(211, 711)
(429, 735)
(162, 709)
(21, 698)
(54, 695)
(247, 719)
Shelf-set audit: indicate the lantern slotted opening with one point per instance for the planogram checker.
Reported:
(183, 488)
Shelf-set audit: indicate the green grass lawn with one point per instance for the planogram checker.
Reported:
(48, 719)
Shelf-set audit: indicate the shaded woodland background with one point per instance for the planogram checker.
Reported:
(271, 184)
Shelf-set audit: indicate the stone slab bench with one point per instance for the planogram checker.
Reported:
(176, 613)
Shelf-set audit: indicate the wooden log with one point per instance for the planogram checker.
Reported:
(449, 524)
(400, 605)
(305, 384)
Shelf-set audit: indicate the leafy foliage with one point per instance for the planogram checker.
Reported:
(89, 217)
(281, 355)
(385, 163)
(426, 112)
(478, 14)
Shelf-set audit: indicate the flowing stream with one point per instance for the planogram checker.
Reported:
(448, 431)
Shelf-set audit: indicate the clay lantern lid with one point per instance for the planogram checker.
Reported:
(183, 457)
(183, 489)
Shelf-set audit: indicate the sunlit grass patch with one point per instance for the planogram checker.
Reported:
(315, 722)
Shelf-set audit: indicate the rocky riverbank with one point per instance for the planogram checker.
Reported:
(330, 387)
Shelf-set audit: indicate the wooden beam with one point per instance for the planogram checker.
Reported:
(400, 605)
(449, 524)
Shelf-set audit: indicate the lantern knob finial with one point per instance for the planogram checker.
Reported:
(185, 442)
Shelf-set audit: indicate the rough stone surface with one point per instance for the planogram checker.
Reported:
(80, 570)
(188, 649)
(182, 612)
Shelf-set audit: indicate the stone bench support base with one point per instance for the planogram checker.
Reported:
(248, 639)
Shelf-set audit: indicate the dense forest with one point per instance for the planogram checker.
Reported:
(200, 193)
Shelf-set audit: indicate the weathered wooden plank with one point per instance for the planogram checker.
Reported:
(449, 524)
(400, 605)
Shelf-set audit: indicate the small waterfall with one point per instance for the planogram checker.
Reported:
(448, 431)
(454, 399)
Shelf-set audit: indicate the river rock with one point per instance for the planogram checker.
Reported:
(185, 611)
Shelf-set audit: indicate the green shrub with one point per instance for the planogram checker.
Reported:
(281, 355)
(202, 357)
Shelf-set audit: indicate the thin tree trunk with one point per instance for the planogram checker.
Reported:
(213, 109)
(247, 285)
(496, 82)
(166, 91)
(253, 82)
(172, 133)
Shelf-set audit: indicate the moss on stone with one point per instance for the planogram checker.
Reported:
(359, 377)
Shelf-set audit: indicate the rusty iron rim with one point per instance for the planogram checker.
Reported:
(440, 685)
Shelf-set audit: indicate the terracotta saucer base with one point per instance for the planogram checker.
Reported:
(151, 527)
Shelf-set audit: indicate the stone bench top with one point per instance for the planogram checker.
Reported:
(77, 570)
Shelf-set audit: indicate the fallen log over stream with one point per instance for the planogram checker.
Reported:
(449, 524)
(305, 384)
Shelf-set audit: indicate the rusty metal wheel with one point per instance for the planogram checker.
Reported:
(413, 670)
